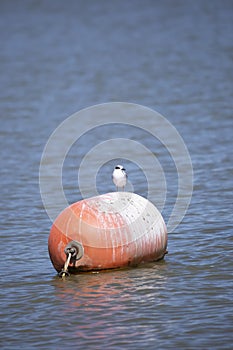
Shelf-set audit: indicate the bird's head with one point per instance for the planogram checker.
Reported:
(119, 167)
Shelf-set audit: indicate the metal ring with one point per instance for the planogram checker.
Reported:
(76, 250)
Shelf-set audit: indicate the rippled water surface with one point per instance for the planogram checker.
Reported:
(172, 56)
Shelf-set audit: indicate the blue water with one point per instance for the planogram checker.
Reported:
(175, 57)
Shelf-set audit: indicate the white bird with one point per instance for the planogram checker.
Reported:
(119, 177)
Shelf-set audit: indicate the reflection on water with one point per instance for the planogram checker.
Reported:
(111, 300)
(96, 289)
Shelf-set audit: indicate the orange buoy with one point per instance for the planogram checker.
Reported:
(113, 230)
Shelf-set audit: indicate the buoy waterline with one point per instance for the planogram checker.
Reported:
(113, 230)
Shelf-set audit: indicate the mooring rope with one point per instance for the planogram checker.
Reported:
(64, 272)
(73, 250)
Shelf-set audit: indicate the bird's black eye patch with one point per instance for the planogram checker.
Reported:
(123, 169)
(117, 167)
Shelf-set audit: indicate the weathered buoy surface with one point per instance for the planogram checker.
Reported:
(108, 231)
